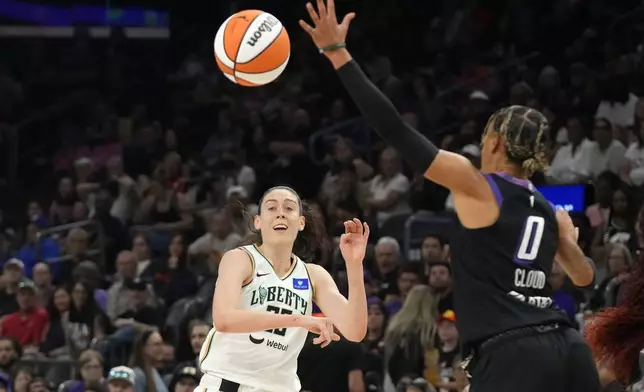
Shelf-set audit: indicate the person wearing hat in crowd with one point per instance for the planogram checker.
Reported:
(29, 324)
(13, 272)
(121, 379)
(185, 379)
(447, 365)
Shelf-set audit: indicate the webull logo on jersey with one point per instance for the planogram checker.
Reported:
(280, 295)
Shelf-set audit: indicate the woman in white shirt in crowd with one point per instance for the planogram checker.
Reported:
(606, 152)
(388, 191)
(571, 164)
(632, 170)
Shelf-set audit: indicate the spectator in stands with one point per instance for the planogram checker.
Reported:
(448, 361)
(432, 250)
(147, 354)
(43, 280)
(236, 173)
(410, 334)
(198, 331)
(632, 170)
(29, 324)
(76, 246)
(408, 277)
(605, 185)
(388, 260)
(571, 164)
(21, 378)
(13, 273)
(616, 270)
(145, 267)
(115, 236)
(220, 236)
(388, 191)
(606, 152)
(56, 341)
(126, 198)
(618, 103)
(620, 225)
(174, 280)
(36, 247)
(40, 384)
(10, 352)
(91, 369)
(118, 298)
(139, 314)
(121, 379)
(88, 271)
(86, 320)
(344, 203)
(60, 211)
(373, 343)
(185, 379)
(161, 212)
(440, 282)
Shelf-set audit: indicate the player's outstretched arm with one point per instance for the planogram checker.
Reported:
(569, 255)
(350, 316)
(450, 170)
(234, 270)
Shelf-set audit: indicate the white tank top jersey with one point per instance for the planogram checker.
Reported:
(264, 360)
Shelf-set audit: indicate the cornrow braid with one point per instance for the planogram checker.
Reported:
(523, 131)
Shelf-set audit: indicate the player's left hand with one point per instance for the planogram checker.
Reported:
(353, 243)
(327, 30)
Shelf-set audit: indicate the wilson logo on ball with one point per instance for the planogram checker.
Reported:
(252, 48)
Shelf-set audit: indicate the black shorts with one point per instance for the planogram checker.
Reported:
(558, 360)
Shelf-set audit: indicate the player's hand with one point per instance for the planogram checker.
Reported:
(326, 31)
(353, 243)
(323, 327)
(566, 228)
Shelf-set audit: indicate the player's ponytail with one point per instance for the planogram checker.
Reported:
(309, 240)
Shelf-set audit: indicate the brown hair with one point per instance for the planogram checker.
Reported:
(523, 131)
(307, 242)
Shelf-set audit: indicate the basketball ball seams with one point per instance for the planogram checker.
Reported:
(239, 44)
(262, 72)
(263, 50)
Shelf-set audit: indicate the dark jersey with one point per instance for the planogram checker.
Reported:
(500, 272)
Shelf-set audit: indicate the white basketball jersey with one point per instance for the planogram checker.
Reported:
(265, 360)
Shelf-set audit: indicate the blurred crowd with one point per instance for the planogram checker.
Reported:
(139, 165)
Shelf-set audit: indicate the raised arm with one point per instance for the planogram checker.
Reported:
(450, 170)
(350, 316)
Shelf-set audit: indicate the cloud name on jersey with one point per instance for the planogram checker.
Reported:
(280, 295)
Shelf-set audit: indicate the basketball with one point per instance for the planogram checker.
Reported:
(252, 48)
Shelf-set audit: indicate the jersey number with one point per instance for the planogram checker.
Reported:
(530, 239)
(276, 310)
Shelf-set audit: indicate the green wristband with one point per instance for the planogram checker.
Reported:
(333, 47)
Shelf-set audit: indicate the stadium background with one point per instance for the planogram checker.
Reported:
(118, 133)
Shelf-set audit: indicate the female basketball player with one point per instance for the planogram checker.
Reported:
(264, 294)
(508, 235)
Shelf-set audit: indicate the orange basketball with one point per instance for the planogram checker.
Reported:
(252, 48)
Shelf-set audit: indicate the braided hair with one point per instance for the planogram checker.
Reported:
(524, 131)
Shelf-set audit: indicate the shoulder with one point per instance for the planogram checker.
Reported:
(318, 275)
(236, 261)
